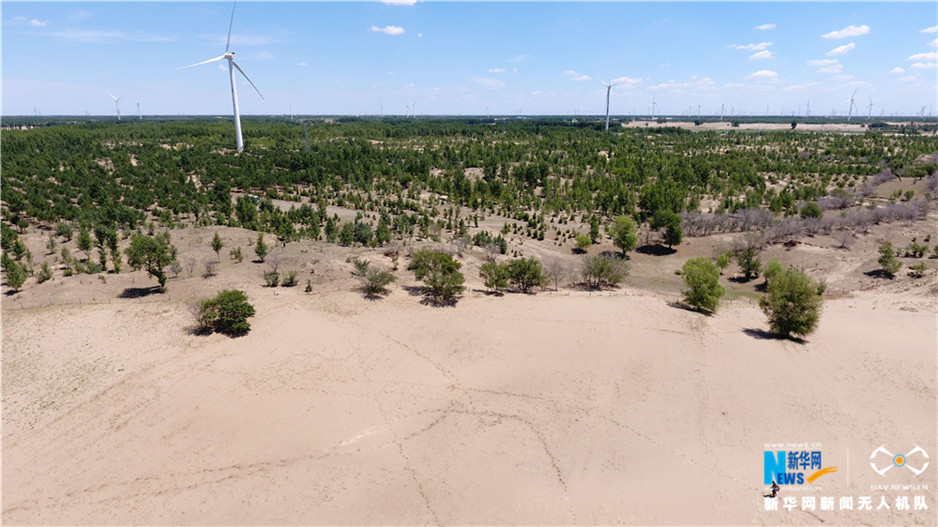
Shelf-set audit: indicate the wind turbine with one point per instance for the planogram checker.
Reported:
(807, 110)
(139, 115)
(115, 104)
(850, 111)
(608, 89)
(229, 56)
(869, 113)
(653, 106)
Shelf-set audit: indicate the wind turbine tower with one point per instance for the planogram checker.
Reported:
(115, 105)
(869, 113)
(139, 115)
(850, 110)
(229, 56)
(654, 105)
(608, 89)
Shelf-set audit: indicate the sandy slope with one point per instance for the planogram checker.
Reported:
(546, 409)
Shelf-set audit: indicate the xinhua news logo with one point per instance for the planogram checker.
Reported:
(916, 460)
(793, 467)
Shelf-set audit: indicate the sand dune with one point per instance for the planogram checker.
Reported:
(546, 409)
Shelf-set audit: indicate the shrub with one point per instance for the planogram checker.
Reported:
(271, 279)
(525, 273)
(211, 268)
(494, 275)
(601, 271)
(811, 210)
(772, 269)
(671, 223)
(915, 250)
(793, 303)
(16, 274)
(217, 245)
(723, 261)
(887, 260)
(918, 271)
(290, 280)
(702, 278)
(45, 273)
(236, 255)
(374, 281)
(227, 313)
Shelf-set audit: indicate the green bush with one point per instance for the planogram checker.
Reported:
(793, 303)
(152, 253)
(723, 261)
(525, 273)
(749, 262)
(440, 273)
(702, 278)
(271, 279)
(374, 281)
(227, 313)
(624, 234)
(583, 242)
(494, 275)
(672, 225)
(887, 260)
(811, 210)
(290, 280)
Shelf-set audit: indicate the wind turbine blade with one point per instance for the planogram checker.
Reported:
(230, 24)
(200, 63)
(602, 81)
(246, 77)
(112, 95)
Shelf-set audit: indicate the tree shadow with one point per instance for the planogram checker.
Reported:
(656, 250)
(879, 273)
(762, 334)
(440, 302)
(414, 290)
(139, 292)
(741, 279)
(688, 307)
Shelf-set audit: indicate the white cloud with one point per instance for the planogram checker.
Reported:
(933, 55)
(734, 85)
(88, 35)
(924, 65)
(388, 30)
(763, 75)
(765, 27)
(490, 84)
(693, 84)
(833, 68)
(843, 77)
(934, 43)
(762, 55)
(753, 47)
(841, 50)
(419, 35)
(399, 2)
(303, 64)
(849, 31)
(37, 23)
(496, 70)
(897, 71)
(570, 74)
(907, 78)
(933, 29)
(626, 81)
(821, 62)
(519, 58)
(263, 55)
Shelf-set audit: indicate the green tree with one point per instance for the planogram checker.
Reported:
(602, 271)
(525, 273)
(811, 210)
(84, 241)
(494, 275)
(888, 261)
(582, 243)
(152, 253)
(260, 248)
(702, 278)
(672, 225)
(723, 261)
(217, 245)
(227, 313)
(793, 303)
(749, 262)
(624, 234)
(772, 269)
(440, 272)
(16, 274)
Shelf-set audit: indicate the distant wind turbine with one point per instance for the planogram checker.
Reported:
(229, 56)
(139, 115)
(850, 111)
(869, 113)
(653, 106)
(608, 89)
(115, 104)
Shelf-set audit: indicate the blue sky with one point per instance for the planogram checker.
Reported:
(471, 58)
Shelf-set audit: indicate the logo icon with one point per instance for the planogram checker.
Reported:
(899, 460)
(793, 467)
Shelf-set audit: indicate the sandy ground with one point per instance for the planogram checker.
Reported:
(569, 408)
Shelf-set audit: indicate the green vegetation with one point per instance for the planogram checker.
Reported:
(374, 281)
(887, 260)
(217, 245)
(702, 278)
(749, 262)
(440, 274)
(624, 234)
(793, 303)
(227, 313)
(525, 274)
(152, 253)
(494, 275)
(601, 271)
